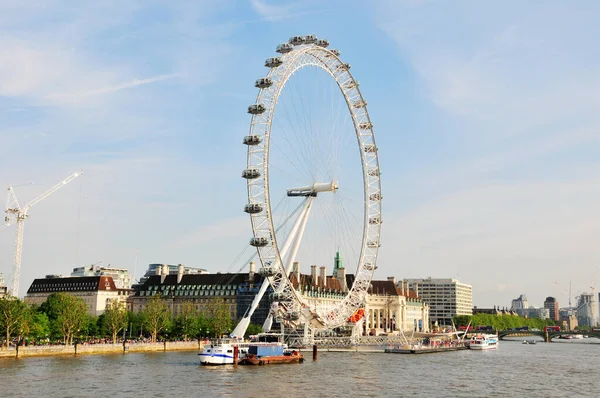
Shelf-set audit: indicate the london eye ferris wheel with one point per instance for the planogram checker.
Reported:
(313, 181)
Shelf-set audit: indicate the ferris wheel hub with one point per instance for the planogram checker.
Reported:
(314, 189)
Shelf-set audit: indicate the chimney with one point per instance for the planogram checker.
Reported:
(164, 273)
(323, 278)
(341, 276)
(417, 289)
(179, 273)
(252, 271)
(392, 279)
(313, 275)
(297, 271)
(401, 283)
(407, 289)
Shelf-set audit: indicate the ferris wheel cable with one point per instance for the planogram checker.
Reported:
(306, 138)
(302, 121)
(334, 128)
(253, 256)
(301, 157)
(290, 120)
(290, 162)
(300, 164)
(242, 253)
(334, 115)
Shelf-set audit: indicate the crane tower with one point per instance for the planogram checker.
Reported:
(18, 214)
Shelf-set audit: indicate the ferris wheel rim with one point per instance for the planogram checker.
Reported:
(316, 56)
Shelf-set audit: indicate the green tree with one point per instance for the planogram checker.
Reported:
(253, 329)
(115, 318)
(188, 322)
(67, 314)
(218, 316)
(156, 316)
(89, 327)
(13, 317)
(40, 326)
(135, 323)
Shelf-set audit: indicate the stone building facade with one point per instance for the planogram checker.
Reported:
(96, 291)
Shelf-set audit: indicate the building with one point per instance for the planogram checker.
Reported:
(96, 291)
(235, 290)
(568, 319)
(520, 304)
(390, 309)
(157, 269)
(541, 313)
(3, 287)
(446, 298)
(387, 309)
(120, 276)
(552, 305)
(587, 311)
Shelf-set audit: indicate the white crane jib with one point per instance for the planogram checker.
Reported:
(14, 212)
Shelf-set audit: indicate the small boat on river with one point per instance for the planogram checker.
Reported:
(270, 354)
(484, 342)
(529, 342)
(220, 352)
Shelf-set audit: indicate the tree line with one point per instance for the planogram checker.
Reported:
(63, 318)
(501, 322)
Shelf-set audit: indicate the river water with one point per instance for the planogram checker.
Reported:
(562, 369)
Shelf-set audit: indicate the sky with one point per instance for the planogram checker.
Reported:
(486, 116)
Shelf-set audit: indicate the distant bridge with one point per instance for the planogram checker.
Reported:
(547, 336)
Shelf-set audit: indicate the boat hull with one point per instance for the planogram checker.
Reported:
(483, 347)
(483, 342)
(272, 360)
(208, 360)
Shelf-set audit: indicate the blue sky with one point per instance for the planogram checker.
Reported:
(486, 117)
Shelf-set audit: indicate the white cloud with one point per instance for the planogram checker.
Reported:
(270, 11)
(76, 97)
(278, 12)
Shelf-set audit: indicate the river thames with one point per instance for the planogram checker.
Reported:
(561, 369)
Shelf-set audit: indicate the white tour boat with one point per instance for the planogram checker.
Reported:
(220, 352)
(484, 342)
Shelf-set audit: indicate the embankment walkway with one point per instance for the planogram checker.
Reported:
(87, 349)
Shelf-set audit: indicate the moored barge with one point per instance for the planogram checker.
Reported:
(270, 355)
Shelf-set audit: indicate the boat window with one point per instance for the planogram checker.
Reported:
(229, 351)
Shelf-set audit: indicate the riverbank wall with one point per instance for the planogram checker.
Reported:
(95, 349)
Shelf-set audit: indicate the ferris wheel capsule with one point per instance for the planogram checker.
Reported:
(273, 62)
(263, 82)
(284, 48)
(310, 39)
(322, 43)
(297, 40)
(256, 109)
(252, 140)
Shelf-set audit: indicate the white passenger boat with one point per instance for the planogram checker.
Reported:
(484, 342)
(220, 352)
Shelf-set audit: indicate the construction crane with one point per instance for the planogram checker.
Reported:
(14, 212)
